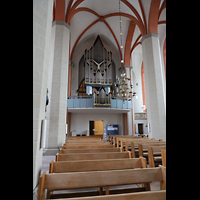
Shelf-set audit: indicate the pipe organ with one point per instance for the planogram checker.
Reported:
(98, 72)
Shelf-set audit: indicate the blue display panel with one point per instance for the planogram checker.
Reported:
(113, 129)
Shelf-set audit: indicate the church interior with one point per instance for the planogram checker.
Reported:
(99, 92)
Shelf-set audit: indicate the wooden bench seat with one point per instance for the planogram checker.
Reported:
(92, 156)
(151, 157)
(78, 180)
(148, 195)
(97, 165)
(64, 151)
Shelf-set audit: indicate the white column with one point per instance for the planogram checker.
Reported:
(58, 97)
(42, 20)
(154, 86)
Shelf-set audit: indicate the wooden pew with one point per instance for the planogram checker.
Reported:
(90, 137)
(92, 156)
(135, 147)
(149, 195)
(116, 139)
(78, 180)
(163, 154)
(87, 140)
(88, 143)
(143, 148)
(97, 165)
(64, 151)
(152, 159)
(127, 142)
(123, 142)
(83, 146)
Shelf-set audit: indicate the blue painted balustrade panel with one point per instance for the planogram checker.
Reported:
(76, 103)
(70, 103)
(89, 103)
(119, 103)
(113, 103)
(125, 105)
(83, 103)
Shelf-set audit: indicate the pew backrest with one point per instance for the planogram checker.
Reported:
(82, 146)
(64, 151)
(92, 156)
(151, 150)
(142, 146)
(135, 145)
(88, 144)
(65, 181)
(97, 165)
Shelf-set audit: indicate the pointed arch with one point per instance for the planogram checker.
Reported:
(127, 52)
(93, 23)
(60, 10)
(68, 10)
(162, 8)
(72, 10)
(83, 9)
(153, 16)
(136, 43)
(131, 17)
(143, 16)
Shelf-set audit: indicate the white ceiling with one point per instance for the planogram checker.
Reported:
(83, 19)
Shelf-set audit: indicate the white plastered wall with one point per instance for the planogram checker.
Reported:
(80, 122)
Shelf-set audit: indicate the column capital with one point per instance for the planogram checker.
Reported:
(126, 67)
(59, 22)
(149, 35)
(129, 67)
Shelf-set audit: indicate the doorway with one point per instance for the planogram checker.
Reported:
(140, 128)
(96, 128)
(91, 125)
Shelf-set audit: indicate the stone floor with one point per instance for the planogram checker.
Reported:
(45, 167)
